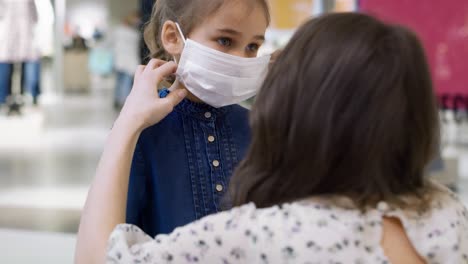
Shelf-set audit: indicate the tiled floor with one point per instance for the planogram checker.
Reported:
(26, 247)
(48, 158)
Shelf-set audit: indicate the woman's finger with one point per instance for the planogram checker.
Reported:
(174, 98)
(175, 85)
(154, 64)
(139, 70)
(164, 71)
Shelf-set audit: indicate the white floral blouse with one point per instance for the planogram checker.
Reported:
(312, 231)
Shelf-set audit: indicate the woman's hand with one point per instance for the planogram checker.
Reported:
(106, 202)
(143, 107)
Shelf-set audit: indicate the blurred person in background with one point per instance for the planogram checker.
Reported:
(342, 131)
(126, 56)
(19, 44)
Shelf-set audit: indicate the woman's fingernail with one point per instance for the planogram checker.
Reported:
(182, 93)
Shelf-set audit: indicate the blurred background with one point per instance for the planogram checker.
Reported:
(66, 68)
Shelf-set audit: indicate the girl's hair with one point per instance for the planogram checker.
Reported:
(347, 110)
(188, 13)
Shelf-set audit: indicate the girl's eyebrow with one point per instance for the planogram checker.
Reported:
(231, 31)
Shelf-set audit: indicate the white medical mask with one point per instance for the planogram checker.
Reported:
(217, 78)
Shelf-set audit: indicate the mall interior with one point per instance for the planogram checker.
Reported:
(61, 94)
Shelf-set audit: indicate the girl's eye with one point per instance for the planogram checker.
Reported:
(226, 42)
(253, 47)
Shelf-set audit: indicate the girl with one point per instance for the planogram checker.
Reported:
(182, 165)
(336, 176)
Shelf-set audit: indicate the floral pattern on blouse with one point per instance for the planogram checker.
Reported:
(309, 232)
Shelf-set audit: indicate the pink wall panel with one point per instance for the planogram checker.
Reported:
(443, 29)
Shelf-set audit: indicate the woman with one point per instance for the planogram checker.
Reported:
(343, 128)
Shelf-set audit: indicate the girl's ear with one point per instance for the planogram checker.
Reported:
(171, 39)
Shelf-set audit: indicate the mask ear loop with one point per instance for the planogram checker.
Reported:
(180, 31)
(183, 39)
(176, 83)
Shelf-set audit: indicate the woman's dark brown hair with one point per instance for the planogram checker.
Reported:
(347, 109)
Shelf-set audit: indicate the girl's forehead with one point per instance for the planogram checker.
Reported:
(239, 14)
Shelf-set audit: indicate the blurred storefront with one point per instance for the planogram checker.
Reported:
(287, 16)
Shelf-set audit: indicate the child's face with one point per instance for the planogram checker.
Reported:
(236, 28)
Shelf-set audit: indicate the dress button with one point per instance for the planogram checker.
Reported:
(383, 207)
(219, 187)
(216, 163)
(211, 139)
(208, 115)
